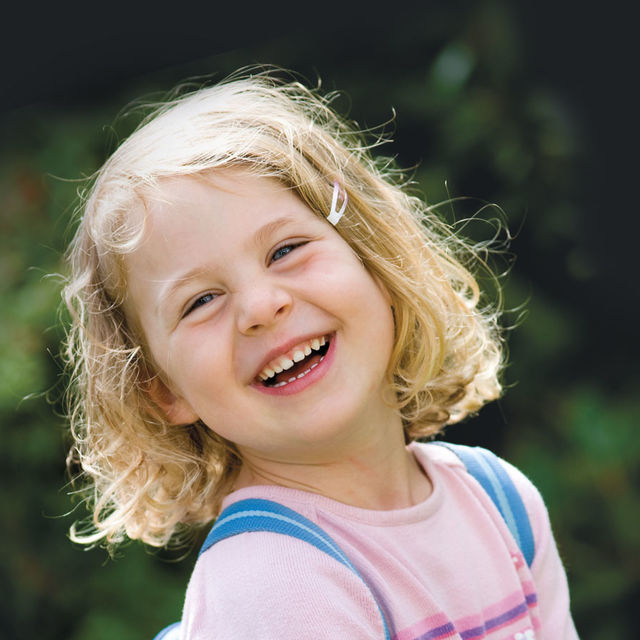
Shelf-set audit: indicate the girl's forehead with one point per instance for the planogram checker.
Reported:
(217, 202)
(232, 181)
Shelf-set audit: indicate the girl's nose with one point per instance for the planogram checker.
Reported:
(261, 306)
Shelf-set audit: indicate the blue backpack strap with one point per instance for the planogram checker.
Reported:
(172, 632)
(486, 468)
(256, 514)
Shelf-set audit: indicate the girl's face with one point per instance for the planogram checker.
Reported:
(262, 320)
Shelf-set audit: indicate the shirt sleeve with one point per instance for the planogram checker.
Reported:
(272, 586)
(547, 569)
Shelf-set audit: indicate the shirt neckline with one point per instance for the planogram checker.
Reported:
(312, 504)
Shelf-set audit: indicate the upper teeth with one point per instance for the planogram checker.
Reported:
(287, 360)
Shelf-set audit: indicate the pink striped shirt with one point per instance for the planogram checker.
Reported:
(443, 569)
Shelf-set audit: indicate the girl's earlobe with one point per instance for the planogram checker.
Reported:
(175, 409)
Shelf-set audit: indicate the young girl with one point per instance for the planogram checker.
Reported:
(260, 311)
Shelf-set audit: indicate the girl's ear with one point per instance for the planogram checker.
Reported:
(175, 408)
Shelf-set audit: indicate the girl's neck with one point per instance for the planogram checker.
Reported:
(381, 475)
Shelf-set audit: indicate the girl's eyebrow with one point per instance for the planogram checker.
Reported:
(168, 292)
(259, 238)
(267, 230)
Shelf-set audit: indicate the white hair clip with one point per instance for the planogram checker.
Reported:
(334, 216)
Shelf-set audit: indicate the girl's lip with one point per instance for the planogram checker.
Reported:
(308, 379)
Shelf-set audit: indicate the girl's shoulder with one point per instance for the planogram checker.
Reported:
(280, 584)
(442, 461)
(434, 458)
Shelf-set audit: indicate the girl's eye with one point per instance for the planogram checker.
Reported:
(283, 251)
(199, 302)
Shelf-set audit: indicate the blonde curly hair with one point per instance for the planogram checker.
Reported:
(150, 480)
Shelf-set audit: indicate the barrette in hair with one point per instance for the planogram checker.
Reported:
(334, 216)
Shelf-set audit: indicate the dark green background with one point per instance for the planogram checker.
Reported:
(528, 108)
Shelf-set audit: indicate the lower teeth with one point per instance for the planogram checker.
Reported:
(300, 375)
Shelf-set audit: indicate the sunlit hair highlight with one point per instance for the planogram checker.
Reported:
(150, 480)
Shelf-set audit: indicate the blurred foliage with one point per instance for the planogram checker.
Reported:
(471, 124)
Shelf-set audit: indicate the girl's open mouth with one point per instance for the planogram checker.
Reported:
(293, 371)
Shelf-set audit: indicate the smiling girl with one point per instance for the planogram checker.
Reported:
(261, 313)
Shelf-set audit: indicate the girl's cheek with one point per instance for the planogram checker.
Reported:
(332, 264)
(188, 350)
